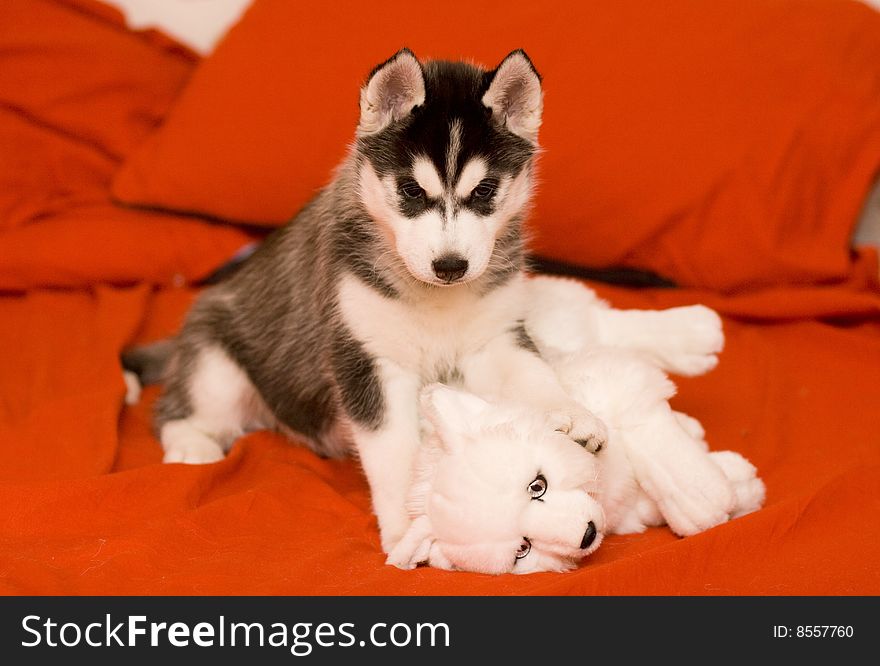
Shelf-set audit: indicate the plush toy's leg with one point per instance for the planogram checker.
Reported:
(683, 340)
(567, 317)
(692, 427)
(747, 487)
(666, 460)
(641, 513)
(508, 369)
(674, 470)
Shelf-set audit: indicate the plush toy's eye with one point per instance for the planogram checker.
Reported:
(538, 487)
(524, 548)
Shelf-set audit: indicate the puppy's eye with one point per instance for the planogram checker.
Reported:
(485, 189)
(411, 190)
(538, 487)
(524, 548)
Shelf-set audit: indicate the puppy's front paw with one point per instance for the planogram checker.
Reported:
(414, 547)
(584, 427)
(391, 531)
(197, 452)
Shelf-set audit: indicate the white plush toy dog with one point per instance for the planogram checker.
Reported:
(499, 489)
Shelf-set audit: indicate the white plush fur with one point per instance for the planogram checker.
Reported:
(469, 500)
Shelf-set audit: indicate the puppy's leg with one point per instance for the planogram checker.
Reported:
(387, 449)
(208, 403)
(510, 368)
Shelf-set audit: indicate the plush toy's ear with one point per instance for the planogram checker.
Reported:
(415, 546)
(453, 413)
(392, 91)
(515, 96)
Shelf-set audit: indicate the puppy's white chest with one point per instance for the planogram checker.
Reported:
(430, 334)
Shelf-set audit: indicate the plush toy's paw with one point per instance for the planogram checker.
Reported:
(689, 340)
(581, 425)
(748, 489)
(690, 425)
(694, 503)
(641, 514)
(693, 428)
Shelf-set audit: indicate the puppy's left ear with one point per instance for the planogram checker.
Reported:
(415, 546)
(391, 92)
(515, 96)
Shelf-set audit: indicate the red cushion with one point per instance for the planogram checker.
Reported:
(720, 144)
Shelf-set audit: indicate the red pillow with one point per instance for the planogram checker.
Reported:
(719, 144)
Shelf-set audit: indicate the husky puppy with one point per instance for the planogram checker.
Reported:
(406, 269)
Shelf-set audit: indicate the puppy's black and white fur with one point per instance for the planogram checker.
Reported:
(406, 269)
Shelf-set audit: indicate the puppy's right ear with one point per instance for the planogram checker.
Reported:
(391, 92)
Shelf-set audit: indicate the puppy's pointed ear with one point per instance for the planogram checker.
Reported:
(515, 96)
(414, 547)
(391, 92)
(453, 414)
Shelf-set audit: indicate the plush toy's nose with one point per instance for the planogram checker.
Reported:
(589, 535)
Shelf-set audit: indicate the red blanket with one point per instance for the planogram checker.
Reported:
(86, 507)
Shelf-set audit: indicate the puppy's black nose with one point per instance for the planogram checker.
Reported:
(450, 267)
(589, 536)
